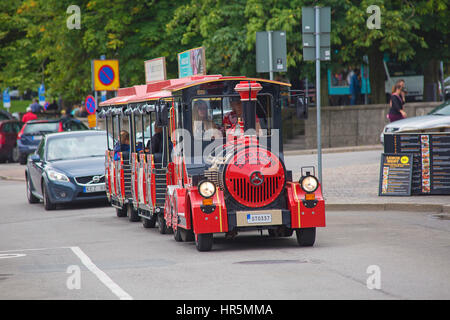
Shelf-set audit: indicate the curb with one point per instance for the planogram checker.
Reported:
(12, 179)
(411, 207)
(333, 150)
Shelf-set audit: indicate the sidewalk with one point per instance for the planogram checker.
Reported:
(346, 187)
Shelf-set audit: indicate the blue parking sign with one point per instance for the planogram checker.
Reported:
(6, 99)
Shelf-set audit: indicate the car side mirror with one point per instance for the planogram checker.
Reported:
(162, 114)
(35, 158)
(301, 106)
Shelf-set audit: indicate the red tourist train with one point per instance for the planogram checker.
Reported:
(203, 155)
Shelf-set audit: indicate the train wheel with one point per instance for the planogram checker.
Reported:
(162, 223)
(121, 212)
(306, 236)
(149, 223)
(187, 235)
(177, 235)
(204, 241)
(133, 215)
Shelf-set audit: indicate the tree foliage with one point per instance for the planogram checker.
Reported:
(36, 46)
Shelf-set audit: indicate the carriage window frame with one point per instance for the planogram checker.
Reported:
(269, 111)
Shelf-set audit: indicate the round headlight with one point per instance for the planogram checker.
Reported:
(206, 189)
(309, 184)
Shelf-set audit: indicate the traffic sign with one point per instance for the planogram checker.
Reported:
(6, 99)
(90, 104)
(105, 75)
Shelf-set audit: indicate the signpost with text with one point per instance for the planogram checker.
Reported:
(316, 28)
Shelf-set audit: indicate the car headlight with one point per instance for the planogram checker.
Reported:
(309, 183)
(206, 189)
(57, 176)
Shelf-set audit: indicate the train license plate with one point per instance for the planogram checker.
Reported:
(99, 188)
(259, 218)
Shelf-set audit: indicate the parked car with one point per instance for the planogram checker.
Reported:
(33, 131)
(4, 115)
(67, 167)
(8, 140)
(437, 118)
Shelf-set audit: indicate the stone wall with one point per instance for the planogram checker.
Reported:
(343, 126)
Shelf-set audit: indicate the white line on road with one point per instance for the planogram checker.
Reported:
(11, 255)
(103, 277)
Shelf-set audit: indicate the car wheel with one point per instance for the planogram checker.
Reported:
(48, 205)
(15, 155)
(30, 196)
(306, 236)
(23, 158)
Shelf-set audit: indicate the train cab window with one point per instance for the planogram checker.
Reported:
(203, 126)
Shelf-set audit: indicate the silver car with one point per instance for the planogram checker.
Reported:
(438, 118)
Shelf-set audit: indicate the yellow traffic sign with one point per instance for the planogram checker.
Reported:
(105, 75)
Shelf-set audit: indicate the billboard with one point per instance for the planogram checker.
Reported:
(155, 69)
(192, 62)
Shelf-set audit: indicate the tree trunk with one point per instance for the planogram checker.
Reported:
(377, 76)
(430, 81)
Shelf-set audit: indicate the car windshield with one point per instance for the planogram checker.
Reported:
(442, 110)
(41, 128)
(76, 147)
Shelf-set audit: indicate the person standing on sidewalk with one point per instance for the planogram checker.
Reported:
(396, 111)
(355, 87)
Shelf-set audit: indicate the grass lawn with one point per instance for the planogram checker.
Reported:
(17, 106)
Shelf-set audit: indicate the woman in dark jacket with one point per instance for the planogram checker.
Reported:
(396, 112)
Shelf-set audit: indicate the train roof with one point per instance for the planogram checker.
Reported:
(165, 88)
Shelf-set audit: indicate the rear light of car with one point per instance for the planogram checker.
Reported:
(60, 127)
(2, 139)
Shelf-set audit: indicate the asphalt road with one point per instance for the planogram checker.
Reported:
(86, 252)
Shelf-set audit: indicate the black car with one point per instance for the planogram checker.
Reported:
(67, 167)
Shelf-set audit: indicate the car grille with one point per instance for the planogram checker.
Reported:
(90, 179)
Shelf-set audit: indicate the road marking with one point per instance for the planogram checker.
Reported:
(37, 249)
(11, 255)
(103, 277)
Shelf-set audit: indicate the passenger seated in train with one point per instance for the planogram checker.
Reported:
(156, 144)
(231, 118)
(123, 145)
(203, 127)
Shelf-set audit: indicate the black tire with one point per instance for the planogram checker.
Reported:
(23, 158)
(121, 212)
(306, 236)
(149, 223)
(204, 241)
(177, 235)
(15, 155)
(48, 205)
(30, 196)
(187, 235)
(162, 224)
(133, 215)
(283, 232)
